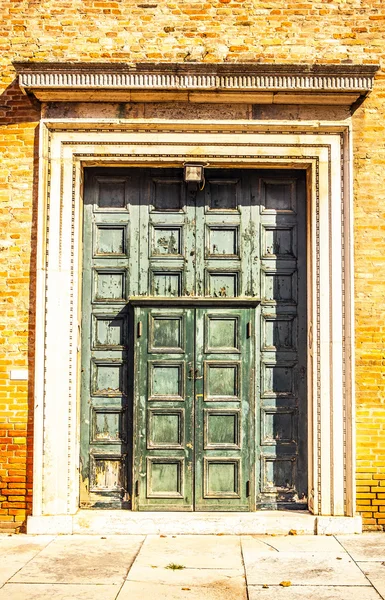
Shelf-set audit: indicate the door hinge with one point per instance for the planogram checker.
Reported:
(136, 488)
(247, 489)
(248, 329)
(139, 329)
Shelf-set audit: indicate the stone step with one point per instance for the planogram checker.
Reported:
(110, 522)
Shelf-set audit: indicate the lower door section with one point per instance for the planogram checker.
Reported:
(194, 405)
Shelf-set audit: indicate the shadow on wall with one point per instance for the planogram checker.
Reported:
(18, 109)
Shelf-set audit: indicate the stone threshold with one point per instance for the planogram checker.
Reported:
(110, 522)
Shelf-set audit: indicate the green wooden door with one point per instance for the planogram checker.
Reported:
(241, 241)
(164, 409)
(193, 403)
(281, 444)
(224, 409)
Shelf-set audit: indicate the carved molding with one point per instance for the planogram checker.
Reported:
(67, 147)
(192, 82)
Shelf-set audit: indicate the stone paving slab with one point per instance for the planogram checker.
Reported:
(54, 591)
(301, 568)
(219, 589)
(20, 545)
(301, 543)
(213, 562)
(130, 567)
(82, 559)
(312, 593)
(375, 572)
(194, 551)
(17, 550)
(369, 546)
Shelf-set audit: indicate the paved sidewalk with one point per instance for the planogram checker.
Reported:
(210, 567)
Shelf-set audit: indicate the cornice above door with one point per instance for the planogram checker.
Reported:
(246, 83)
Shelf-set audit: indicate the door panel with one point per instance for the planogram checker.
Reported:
(281, 448)
(195, 243)
(224, 397)
(164, 416)
(106, 330)
(166, 233)
(194, 394)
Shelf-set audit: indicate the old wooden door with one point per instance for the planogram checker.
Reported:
(241, 242)
(194, 398)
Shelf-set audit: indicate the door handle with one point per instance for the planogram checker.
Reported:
(194, 374)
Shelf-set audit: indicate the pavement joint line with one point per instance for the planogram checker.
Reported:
(244, 568)
(58, 583)
(371, 583)
(379, 595)
(314, 585)
(356, 563)
(28, 561)
(372, 560)
(130, 567)
(200, 569)
(168, 583)
(266, 544)
(197, 568)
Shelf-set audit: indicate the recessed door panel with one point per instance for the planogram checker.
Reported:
(165, 428)
(166, 332)
(222, 333)
(166, 380)
(223, 194)
(165, 479)
(222, 429)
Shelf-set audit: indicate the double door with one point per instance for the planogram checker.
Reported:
(194, 405)
(167, 416)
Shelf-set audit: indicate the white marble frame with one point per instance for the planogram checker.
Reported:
(324, 149)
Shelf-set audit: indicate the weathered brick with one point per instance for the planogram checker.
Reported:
(224, 30)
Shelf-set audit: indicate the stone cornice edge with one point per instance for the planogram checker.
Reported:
(229, 77)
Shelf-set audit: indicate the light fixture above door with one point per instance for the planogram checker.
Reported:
(193, 173)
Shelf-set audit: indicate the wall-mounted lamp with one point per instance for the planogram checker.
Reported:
(193, 173)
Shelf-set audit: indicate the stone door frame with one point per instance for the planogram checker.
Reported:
(324, 150)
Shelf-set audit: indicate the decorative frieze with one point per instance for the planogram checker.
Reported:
(252, 83)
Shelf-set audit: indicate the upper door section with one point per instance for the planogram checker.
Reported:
(157, 236)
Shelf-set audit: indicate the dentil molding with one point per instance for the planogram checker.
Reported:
(197, 82)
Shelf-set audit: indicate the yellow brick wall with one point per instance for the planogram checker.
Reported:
(323, 31)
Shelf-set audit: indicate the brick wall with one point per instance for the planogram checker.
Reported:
(369, 216)
(17, 277)
(324, 31)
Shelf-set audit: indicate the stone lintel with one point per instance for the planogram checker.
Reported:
(196, 82)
